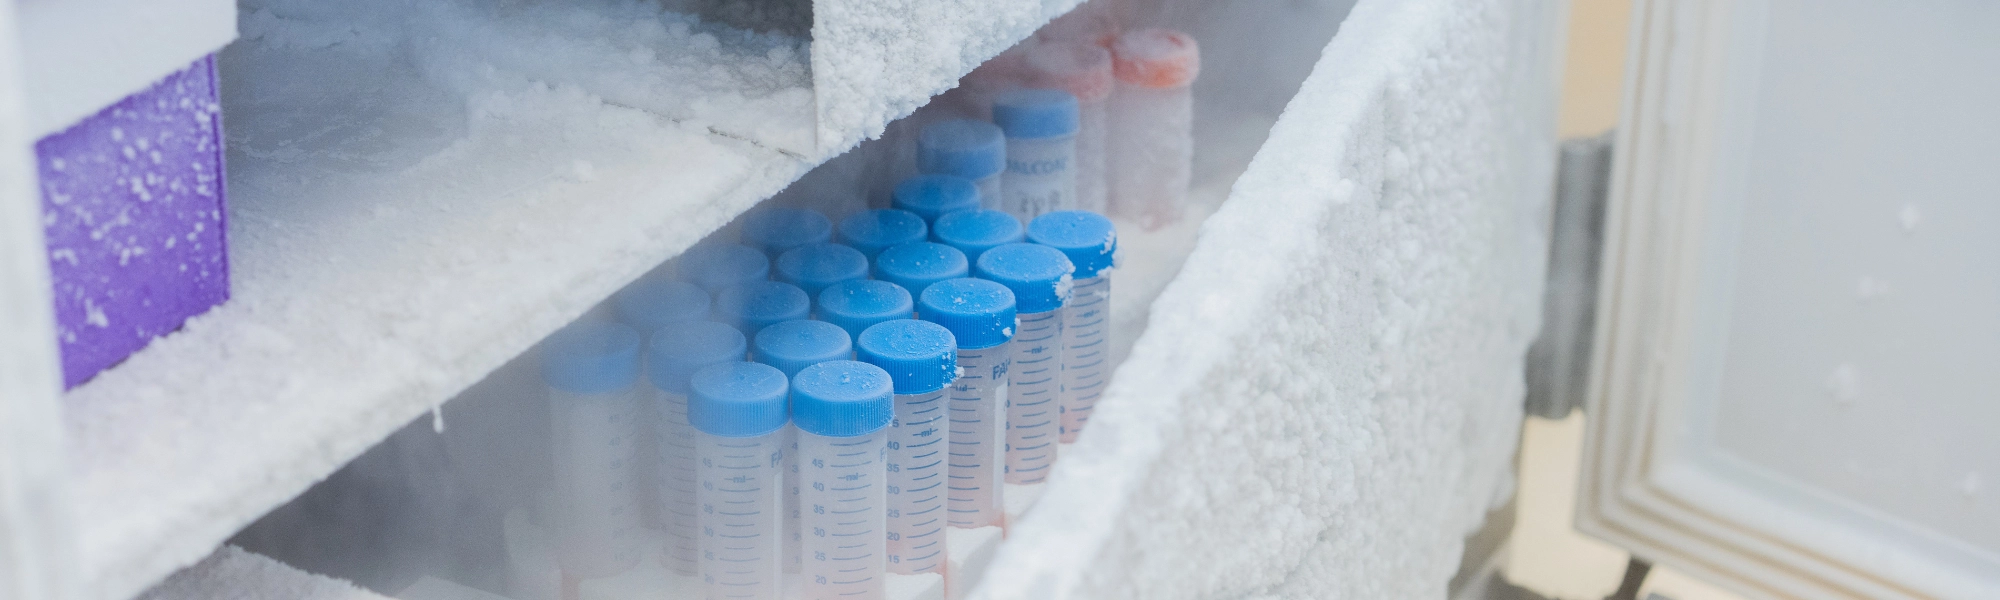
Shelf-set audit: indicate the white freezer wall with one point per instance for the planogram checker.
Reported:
(1328, 398)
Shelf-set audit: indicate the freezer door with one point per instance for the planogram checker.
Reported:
(1796, 382)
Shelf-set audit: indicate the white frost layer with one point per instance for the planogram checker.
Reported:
(628, 52)
(1326, 399)
(407, 215)
(876, 60)
(234, 574)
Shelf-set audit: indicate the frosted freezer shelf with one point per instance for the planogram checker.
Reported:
(407, 216)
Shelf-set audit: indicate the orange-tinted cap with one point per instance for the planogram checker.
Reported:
(1156, 58)
(1076, 66)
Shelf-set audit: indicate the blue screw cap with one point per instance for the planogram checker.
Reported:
(976, 231)
(738, 399)
(678, 350)
(776, 230)
(871, 231)
(842, 398)
(917, 266)
(794, 345)
(753, 306)
(814, 267)
(931, 196)
(920, 356)
(855, 305)
(1038, 275)
(971, 149)
(720, 266)
(1087, 238)
(591, 357)
(979, 313)
(653, 302)
(1034, 113)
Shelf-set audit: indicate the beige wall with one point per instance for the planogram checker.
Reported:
(1595, 69)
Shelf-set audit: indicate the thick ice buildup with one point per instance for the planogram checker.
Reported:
(132, 206)
(1360, 307)
(751, 85)
(1151, 151)
(233, 572)
(872, 62)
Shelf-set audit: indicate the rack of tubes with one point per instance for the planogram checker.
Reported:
(818, 407)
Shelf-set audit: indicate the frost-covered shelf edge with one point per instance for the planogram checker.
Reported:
(411, 208)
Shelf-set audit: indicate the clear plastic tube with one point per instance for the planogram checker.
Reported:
(1090, 242)
(843, 495)
(677, 482)
(1076, 61)
(918, 445)
(740, 502)
(676, 352)
(1033, 397)
(790, 347)
(921, 359)
(789, 478)
(1086, 320)
(978, 436)
(1151, 149)
(1041, 126)
(1040, 176)
(1151, 154)
(597, 517)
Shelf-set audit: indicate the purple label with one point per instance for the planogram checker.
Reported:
(132, 208)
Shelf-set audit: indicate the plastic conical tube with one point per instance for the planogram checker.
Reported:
(740, 409)
(980, 315)
(843, 409)
(590, 369)
(1039, 276)
(1151, 150)
(673, 355)
(921, 360)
